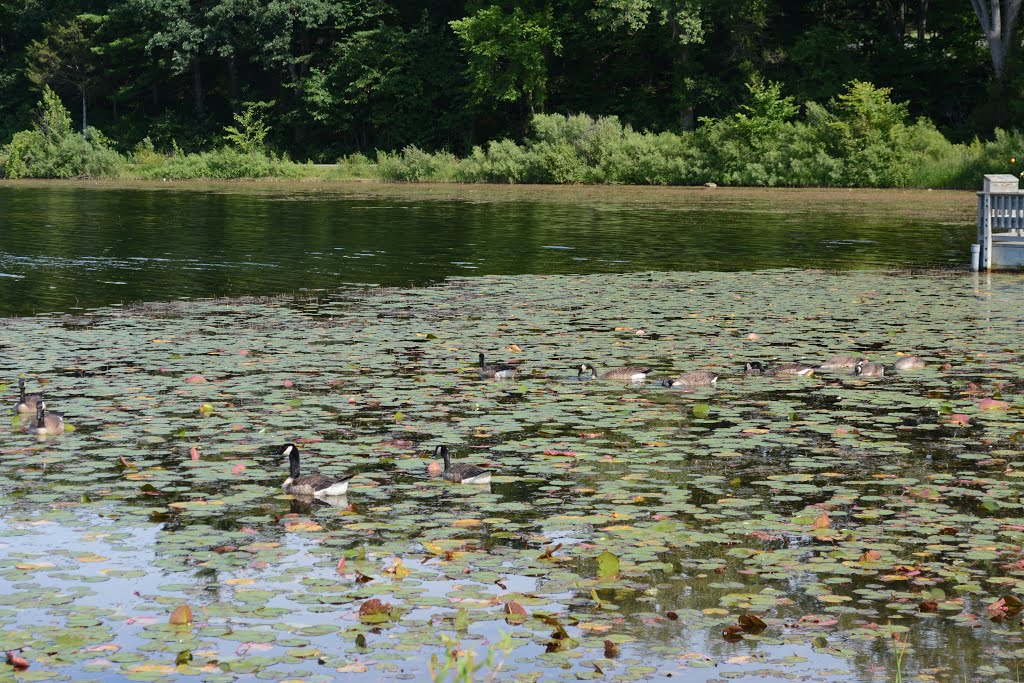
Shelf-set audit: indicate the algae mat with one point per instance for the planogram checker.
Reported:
(771, 528)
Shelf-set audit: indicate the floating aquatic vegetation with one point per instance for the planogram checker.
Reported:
(773, 527)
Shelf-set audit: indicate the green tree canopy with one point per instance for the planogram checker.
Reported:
(508, 54)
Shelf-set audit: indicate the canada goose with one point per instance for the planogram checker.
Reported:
(697, 378)
(839, 363)
(756, 367)
(909, 363)
(628, 374)
(46, 423)
(316, 485)
(866, 369)
(463, 473)
(496, 370)
(26, 404)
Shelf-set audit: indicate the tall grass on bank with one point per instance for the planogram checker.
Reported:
(860, 139)
(220, 164)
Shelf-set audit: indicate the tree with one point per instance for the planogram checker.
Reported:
(767, 111)
(997, 19)
(66, 58)
(279, 33)
(379, 81)
(685, 29)
(507, 54)
(866, 109)
(251, 133)
(179, 29)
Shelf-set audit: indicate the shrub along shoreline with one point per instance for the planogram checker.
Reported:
(860, 139)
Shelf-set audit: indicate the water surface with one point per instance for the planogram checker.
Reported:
(69, 246)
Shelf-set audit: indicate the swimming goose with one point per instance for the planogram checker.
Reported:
(697, 378)
(26, 404)
(496, 370)
(910, 363)
(800, 369)
(839, 363)
(463, 473)
(866, 369)
(629, 374)
(316, 485)
(46, 422)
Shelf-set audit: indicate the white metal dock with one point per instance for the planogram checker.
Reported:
(1000, 208)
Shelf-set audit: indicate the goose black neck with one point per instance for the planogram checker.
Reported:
(482, 360)
(444, 456)
(21, 390)
(293, 461)
(40, 414)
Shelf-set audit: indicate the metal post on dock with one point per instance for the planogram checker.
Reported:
(987, 242)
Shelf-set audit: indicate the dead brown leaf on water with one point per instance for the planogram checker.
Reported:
(870, 556)
(732, 633)
(19, 663)
(822, 521)
(1005, 606)
(515, 613)
(751, 623)
(181, 616)
(373, 606)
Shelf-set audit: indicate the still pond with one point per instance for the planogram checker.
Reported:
(769, 528)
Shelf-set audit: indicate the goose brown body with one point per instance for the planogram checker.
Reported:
(784, 369)
(625, 374)
(793, 369)
(839, 362)
(904, 363)
(697, 378)
(315, 484)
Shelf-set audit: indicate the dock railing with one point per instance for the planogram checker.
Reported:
(1000, 207)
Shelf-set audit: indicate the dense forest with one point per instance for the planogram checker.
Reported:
(320, 79)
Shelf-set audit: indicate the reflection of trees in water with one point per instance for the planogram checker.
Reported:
(333, 239)
(952, 653)
(701, 579)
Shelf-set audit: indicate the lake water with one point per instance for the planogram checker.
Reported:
(70, 246)
(630, 533)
